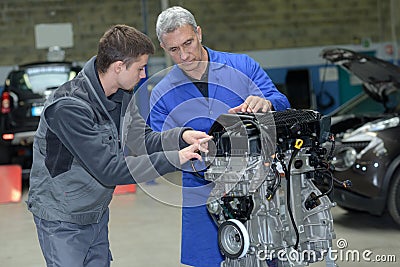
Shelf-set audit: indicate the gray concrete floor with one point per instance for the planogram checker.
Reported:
(145, 231)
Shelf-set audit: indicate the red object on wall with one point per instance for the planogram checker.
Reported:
(10, 183)
(124, 189)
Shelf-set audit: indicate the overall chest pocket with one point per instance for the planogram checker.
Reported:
(108, 137)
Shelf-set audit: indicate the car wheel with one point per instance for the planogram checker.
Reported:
(5, 157)
(394, 198)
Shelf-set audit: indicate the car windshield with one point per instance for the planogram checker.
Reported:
(360, 104)
(363, 104)
(40, 79)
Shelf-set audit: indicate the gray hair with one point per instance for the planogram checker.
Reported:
(173, 18)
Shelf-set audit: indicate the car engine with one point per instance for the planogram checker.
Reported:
(265, 201)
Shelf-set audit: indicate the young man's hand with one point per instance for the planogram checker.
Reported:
(199, 143)
(195, 137)
(191, 152)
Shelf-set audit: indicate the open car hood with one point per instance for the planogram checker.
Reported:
(380, 78)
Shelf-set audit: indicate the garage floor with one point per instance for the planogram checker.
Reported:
(146, 232)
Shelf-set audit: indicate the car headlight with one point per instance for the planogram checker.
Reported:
(385, 124)
(377, 126)
(344, 158)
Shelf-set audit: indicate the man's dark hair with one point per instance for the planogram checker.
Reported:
(124, 43)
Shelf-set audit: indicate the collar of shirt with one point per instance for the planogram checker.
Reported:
(108, 102)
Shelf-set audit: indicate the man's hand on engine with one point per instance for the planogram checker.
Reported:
(253, 104)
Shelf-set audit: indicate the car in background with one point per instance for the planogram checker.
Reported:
(22, 100)
(367, 136)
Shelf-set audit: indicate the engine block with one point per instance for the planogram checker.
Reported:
(265, 201)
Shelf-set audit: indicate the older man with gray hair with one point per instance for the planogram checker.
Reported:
(201, 86)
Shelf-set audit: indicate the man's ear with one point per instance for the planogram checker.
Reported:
(117, 66)
(199, 34)
(162, 45)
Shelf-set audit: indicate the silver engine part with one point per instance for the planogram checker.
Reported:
(265, 201)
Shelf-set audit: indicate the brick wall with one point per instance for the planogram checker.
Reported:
(230, 25)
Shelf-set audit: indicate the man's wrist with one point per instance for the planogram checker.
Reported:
(270, 106)
(182, 142)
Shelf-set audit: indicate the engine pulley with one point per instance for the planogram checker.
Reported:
(233, 239)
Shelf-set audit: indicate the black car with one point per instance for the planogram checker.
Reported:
(25, 91)
(367, 132)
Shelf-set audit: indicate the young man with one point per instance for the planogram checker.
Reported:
(91, 138)
(201, 86)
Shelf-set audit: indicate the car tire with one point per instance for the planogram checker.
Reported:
(393, 203)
